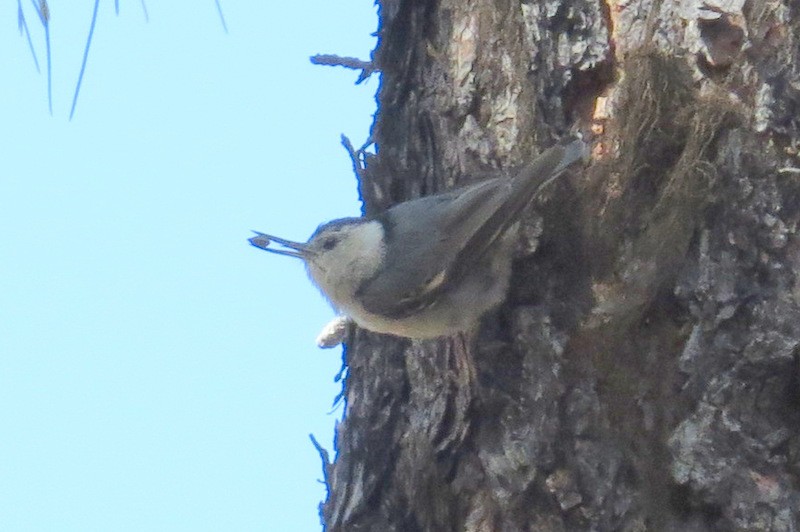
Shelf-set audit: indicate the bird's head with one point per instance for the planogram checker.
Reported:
(339, 255)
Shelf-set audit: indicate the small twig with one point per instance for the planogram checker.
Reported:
(338, 377)
(355, 156)
(324, 456)
(340, 396)
(353, 63)
(339, 399)
(334, 60)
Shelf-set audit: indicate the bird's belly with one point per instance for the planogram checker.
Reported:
(445, 318)
(422, 326)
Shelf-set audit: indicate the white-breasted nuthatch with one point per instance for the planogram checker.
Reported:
(430, 266)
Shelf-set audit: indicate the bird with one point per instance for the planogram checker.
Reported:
(427, 267)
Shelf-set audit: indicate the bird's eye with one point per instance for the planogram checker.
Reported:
(329, 244)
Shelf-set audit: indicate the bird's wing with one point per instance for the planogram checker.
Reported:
(434, 241)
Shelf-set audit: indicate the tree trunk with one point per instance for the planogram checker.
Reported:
(643, 374)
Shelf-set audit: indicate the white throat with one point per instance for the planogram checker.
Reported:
(340, 271)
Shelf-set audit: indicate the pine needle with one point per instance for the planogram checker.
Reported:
(85, 57)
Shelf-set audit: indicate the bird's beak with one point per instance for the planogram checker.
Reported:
(296, 249)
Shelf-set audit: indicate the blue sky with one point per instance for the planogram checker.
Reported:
(157, 372)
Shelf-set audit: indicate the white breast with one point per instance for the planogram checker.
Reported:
(339, 272)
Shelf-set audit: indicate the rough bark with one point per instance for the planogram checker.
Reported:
(643, 374)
